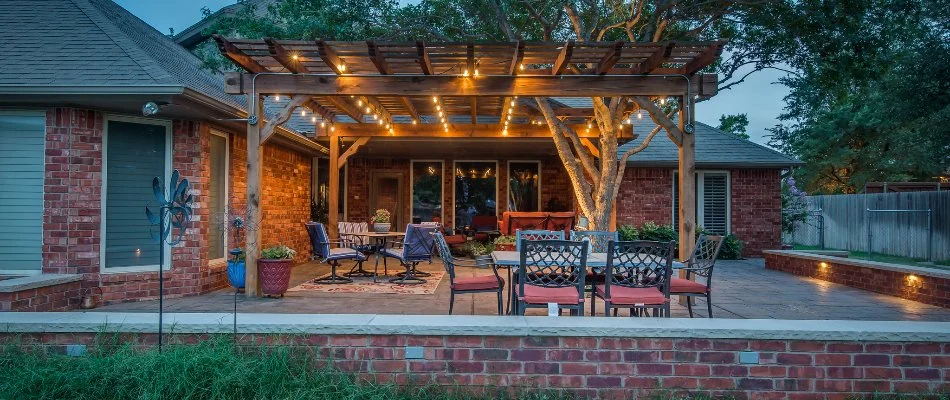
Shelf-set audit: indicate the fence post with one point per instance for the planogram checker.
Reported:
(868, 219)
(821, 231)
(930, 234)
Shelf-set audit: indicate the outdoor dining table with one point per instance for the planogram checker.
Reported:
(379, 241)
(512, 260)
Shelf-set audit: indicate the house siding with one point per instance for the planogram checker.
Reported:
(72, 206)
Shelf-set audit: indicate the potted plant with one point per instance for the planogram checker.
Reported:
(273, 269)
(382, 220)
(480, 252)
(505, 243)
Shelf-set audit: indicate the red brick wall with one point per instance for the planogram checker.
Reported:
(616, 367)
(757, 209)
(925, 289)
(646, 194)
(62, 297)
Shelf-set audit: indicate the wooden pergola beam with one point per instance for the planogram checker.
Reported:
(467, 130)
(591, 147)
(470, 58)
(352, 150)
(267, 131)
(709, 55)
(349, 109)
(563, 58)
(447, 86)
(655, 60)
(378, 58)
(423, 58)
(473, 106)
(610, 59)
(324, 112)
(330, 58)
(284, 57)
(237, 56)
(516, 58)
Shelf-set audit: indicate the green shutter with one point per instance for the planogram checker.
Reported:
(135, 154)
(22, 173)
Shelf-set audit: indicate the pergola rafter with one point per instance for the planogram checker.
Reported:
(475, 83)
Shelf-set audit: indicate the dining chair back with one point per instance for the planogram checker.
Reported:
(699, 265)
(598, 239)
(637, 277)
(552, 271)
(536, 234)
(478, 284)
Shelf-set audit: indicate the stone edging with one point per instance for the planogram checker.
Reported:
(36, 281)
(906, 269)
(442, 325)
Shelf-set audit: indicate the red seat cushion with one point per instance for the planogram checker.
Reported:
(455, 239)
(630, 296)
(680, 285)
(544, 295)
(485, 282)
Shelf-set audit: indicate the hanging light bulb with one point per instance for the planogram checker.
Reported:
(465, 72)
(388, 127)
(442, 120)
(375, 117)
(342, 67)
(476, 72)
(589, 125)
(521, 67)
(323, 124)
(303, 113)
(276, 97)
(332, 128)
(294, 57)
(359, 103)
(415, 121)
(512, 103)
(391, 132)
(440, 113)
(313, 119)
(380, 122)
(368, 110)
(505, 132)
(435, 99)
(639, 115)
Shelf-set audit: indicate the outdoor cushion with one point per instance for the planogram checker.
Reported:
(630, 296)
(393, 252)
(343, 253)
(680, 285)
(484, 282)
(543, 295)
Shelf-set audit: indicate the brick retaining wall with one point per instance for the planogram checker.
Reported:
(919, 284)
(635, 358)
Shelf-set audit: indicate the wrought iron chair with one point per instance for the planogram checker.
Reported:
(637, 278)
(478, 284)
(356, 243)
(551, 271)
(536, 234)
(322, 250)
(417, 247)
(700, 264)
(598, 244)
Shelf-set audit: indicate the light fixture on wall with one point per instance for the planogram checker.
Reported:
(151, 108)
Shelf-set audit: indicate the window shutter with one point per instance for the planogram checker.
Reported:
(715, 203)
(22, 173)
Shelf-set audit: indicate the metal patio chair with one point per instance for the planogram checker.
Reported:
(637, 277)
(700, 264)
(551, 271)
(418, 246)
(356, 243)
(478, 284)
(536, 234)
(599, 240)
(322, 249)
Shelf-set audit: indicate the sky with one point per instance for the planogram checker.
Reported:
(759, 97)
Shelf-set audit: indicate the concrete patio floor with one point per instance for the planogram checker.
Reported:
(741, 289)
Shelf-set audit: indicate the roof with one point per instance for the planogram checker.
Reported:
(195, 34)
(714, 149)
(95, 43)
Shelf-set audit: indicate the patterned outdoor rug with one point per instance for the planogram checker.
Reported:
(366, 285)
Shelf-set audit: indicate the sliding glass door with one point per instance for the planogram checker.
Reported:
(476, 189)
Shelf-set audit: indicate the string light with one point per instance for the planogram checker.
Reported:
(276, 97)
(465, 72)
(368, 110)
(512, 103)
(440, 113)
(639, 115)
(380, 122)
(323, 124)
(375, 117)
(341, 67)
(662, 101)
(476, 72)
(313, 119)
(359, 103)
(521, 67)
(589, 125)
(332, 128)
(435, 99)
(415, 121)
(294, 57)
(438, 107)
(303, 113)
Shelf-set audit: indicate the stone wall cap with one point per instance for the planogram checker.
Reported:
(36, 281)
(466, 325)
(906, 269)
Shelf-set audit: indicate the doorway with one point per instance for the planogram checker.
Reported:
(386, 192)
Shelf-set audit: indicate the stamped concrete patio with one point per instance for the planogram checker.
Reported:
(741, 289)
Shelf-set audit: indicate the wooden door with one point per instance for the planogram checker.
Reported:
(386, 191)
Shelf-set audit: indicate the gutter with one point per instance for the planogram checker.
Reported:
(93, 90)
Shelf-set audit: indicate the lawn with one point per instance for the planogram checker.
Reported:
(885, 258)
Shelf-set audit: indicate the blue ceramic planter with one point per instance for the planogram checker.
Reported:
(236, 273)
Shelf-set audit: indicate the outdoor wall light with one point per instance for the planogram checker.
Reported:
(151, 108)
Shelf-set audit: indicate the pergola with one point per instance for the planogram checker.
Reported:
(360, 90)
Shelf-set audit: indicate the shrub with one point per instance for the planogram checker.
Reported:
(627, 232)
(731, 248)
(660, 233)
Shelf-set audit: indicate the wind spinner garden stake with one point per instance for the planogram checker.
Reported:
(173, 215)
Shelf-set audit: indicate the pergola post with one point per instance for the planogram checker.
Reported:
(687, 183)
(252, 246)
(333, 205)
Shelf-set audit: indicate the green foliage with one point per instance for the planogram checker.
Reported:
(382, 216)
(627, 232)
(319, 210)
(794, 207)
(731, 245)
(474, 248)
(731, 248)
(278, 252)
(735, 124)
(652, 231)
(211, 369)
(505, 239)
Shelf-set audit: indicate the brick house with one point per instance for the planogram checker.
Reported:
(77, 159)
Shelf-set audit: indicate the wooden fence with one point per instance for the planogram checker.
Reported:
(841, 222)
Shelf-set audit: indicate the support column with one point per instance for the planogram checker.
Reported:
(252, 246)
(333, 205)
(687, 186)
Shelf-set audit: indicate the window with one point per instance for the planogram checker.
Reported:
(320, 176)
(218, 196)
(135, 151)
(426, 191)
(712, 201)
(524, 186)
(475, 190)
(22, 173)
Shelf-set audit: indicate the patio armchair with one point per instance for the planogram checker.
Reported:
(417, 247)
(637, 277)
(699, 265)
(551, 271)
(522, 235)
(322, 250)
(599, 241)
(478, 284)
(356, 243)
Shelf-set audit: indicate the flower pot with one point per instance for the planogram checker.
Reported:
(505, 247)
(236, 273)
(381, 227)
(274, 276)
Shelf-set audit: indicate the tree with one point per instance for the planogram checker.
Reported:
(595, 179)
(735, 124)
(872, 96)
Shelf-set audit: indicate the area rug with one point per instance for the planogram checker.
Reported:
(366, 285)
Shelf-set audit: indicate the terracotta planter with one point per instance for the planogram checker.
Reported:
(274, 276)
(505, 247)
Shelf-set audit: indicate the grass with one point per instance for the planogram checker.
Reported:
(885, 258)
